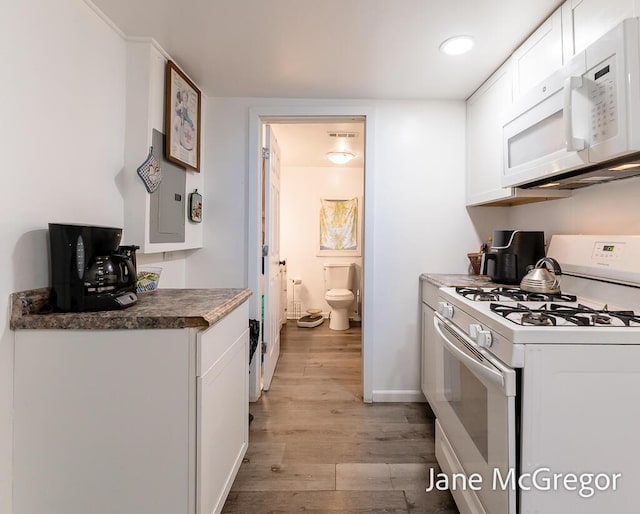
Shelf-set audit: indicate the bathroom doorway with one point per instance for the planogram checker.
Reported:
(307, 179)
(311, 188)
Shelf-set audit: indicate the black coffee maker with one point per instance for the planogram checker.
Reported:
(89, 270)
(511, 252)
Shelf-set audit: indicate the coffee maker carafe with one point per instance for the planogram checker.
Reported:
(511, 253)
(89, 270)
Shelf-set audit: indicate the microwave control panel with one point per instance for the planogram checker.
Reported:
(603, 102)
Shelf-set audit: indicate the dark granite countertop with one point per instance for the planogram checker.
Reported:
(444, 280)
(162, 308)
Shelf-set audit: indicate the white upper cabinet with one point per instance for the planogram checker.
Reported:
(584, 21)
(539, 56)
(485, 109)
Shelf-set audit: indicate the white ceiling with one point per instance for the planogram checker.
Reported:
(331, 48)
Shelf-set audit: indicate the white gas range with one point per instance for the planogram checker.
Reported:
(536, 397)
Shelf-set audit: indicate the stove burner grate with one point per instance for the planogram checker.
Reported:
(602, 317)
(548, 315)
(497, 294)
(478, 294)
(485, 297)
(537, 319)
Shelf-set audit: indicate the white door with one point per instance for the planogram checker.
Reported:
(271, 256)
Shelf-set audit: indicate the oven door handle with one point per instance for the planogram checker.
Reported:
(486, 372)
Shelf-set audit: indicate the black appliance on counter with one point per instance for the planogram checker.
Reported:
(511, 252)
(89, 270)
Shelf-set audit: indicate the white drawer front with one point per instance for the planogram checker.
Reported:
(213, 342)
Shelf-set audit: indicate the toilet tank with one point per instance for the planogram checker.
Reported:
(338, 276)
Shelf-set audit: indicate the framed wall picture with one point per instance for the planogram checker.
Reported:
(182, 118)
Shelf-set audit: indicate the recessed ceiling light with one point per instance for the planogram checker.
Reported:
(340, 157)
(457, 45)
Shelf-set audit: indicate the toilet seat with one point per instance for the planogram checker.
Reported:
(339, 294)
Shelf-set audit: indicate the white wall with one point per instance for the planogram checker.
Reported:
(421, 226)
(301, 189)
(62, 141)
(603, 209)
(420, 223)
(222, 262)
(173, 266)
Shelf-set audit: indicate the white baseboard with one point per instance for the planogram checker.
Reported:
(405, 396)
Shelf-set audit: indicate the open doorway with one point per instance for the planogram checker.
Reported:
(321, 204)
(307, 180)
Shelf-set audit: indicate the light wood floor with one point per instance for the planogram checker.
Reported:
(315, 447)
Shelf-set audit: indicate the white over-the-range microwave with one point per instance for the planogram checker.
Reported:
(583, 118)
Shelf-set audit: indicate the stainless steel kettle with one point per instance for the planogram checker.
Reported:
(542, 279)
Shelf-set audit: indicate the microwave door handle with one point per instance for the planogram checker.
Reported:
(573, 144)
(487, 373)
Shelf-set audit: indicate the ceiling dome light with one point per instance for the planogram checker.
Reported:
(457, 45)
(340, 157)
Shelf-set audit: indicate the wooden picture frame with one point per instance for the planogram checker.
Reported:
(182, 118)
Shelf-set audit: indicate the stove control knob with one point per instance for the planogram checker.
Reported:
(445, 309)
(474, 328)
(484, 340)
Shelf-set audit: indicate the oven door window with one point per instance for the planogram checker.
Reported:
(467, 396)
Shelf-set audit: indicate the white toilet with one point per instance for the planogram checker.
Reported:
(338, 281)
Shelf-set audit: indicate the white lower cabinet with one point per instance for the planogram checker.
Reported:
(429, 371)
(130, 421)
(427, 320)
(580, 417)
(222, 413)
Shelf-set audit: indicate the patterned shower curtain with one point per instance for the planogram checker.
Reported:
(338, 224)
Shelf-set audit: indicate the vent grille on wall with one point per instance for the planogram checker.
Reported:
(344, 134)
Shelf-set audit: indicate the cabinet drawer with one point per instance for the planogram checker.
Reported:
(214, 341)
